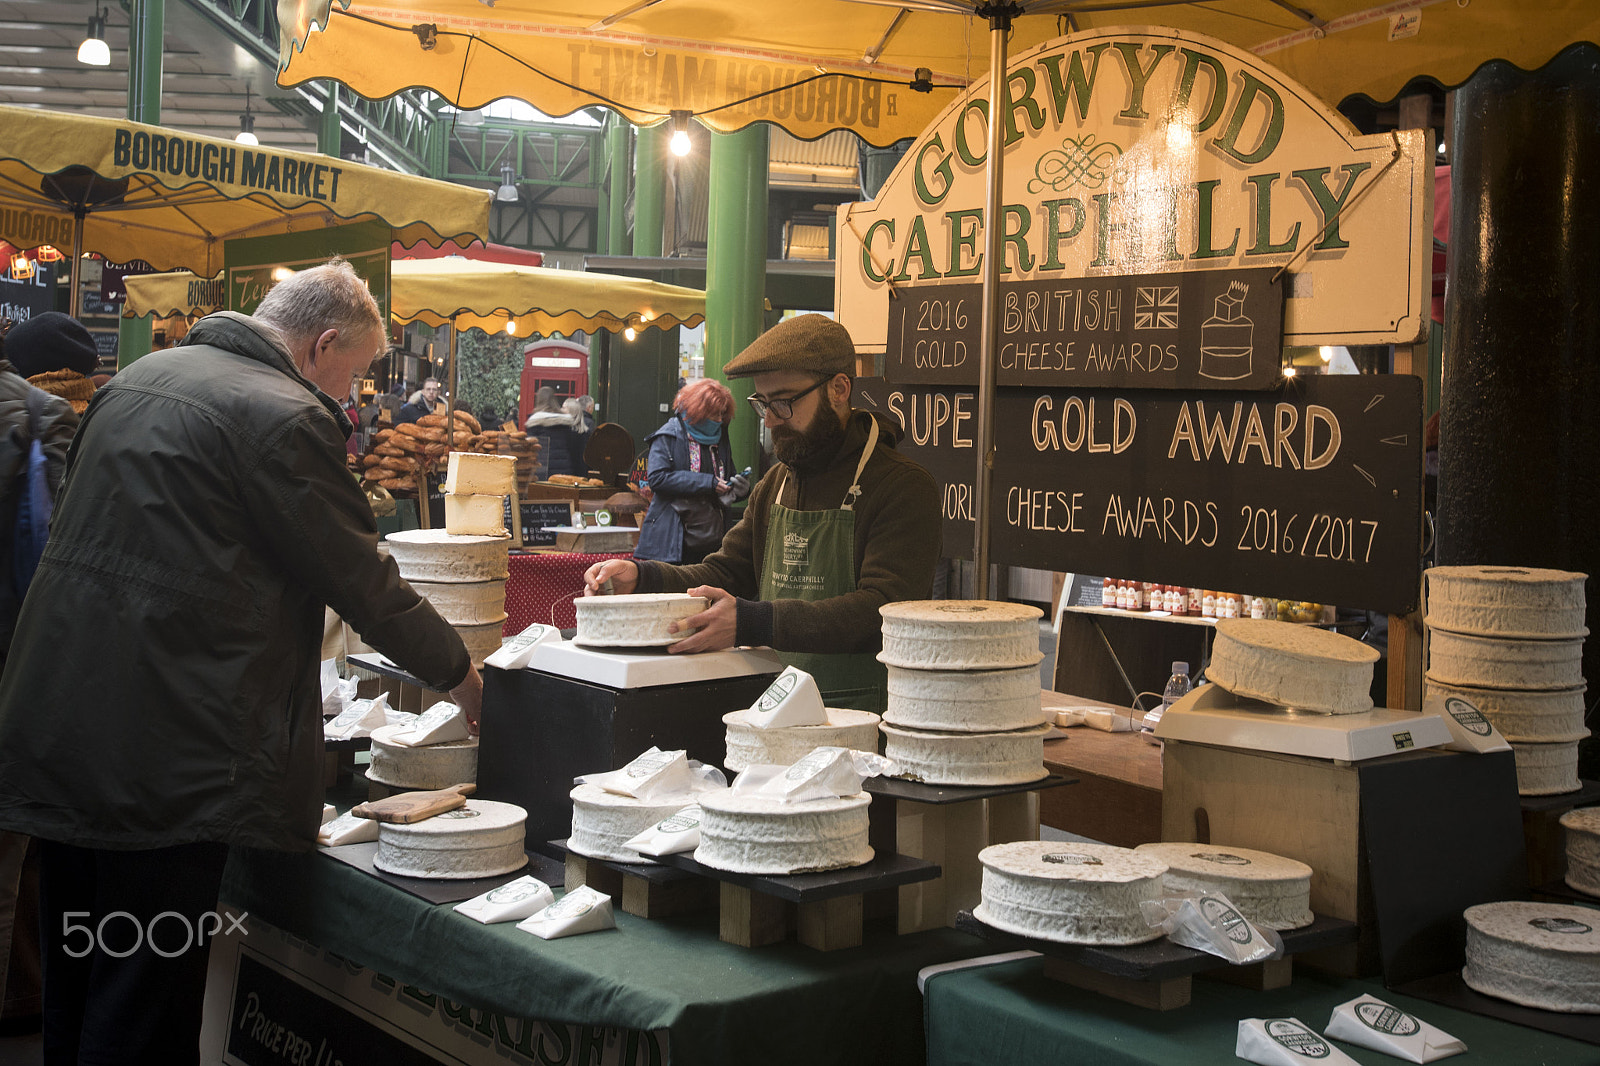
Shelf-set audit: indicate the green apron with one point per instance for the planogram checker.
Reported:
(811, 555)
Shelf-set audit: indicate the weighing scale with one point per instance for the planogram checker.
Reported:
(1212, 715)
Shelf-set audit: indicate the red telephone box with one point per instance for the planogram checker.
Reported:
(562, 365)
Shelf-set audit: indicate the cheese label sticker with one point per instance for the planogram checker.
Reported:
(1222, 857)
(436, 715)
(1403, 741)
(682, 822)
(1560, 925)
(528, 636)
(566, 907)
(811, 764)
(647, 764)
(460, 812)
(1072, 858)
(1230, 921)
(777, 692)
(1297, 1038)
(1471, 719)
(953, 609)
(1386, 1019)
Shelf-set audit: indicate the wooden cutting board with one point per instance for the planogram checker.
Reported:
(408, 807)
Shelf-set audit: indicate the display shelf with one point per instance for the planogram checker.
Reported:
(644, 889)
(442, 890)
(1587, 795)
(1449, 990)
(938, 795)
(1157, 974)
(884, 871)
(1152, 616)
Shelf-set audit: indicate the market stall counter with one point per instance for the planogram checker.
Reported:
(1012, 1013)
(718, 1003)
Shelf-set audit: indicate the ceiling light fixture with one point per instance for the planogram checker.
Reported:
(94, 51)
(507, 193)
(680, 134)
(247, 123)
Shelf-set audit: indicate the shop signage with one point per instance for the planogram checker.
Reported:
(1311, 492)
(1210, 329)
(537, 517)
(113, 279)
(251, 261)
(21, 299)
(1147, 151)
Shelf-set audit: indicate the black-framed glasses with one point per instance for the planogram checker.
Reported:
(783, 408)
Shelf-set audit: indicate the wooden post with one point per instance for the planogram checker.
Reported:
(830, 924)
(751, 919)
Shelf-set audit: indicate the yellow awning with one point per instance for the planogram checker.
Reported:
(171, 198)
(539, 300)
(850, 63)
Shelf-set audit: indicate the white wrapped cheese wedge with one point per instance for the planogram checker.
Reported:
(1470, 729)
(1369, 1022)
(347, 829)
(440, 724)
(329, 813)
(516, 652)
(653, 773)
(358, 720)
(676, 833)
(511, 902)
(583, 910)
(336, 691)
(792, 699)
(1285, 1042)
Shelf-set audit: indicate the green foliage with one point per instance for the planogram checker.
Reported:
(489, 371)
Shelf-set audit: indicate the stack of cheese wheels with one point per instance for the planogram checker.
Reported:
(1294, 666)
(1069, 892)
(963, 706)
(462, 576)
(1583, 849)
(1509, 640)
(1271, 891)
(1544, 955)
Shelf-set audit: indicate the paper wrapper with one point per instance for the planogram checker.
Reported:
(1369, 1022)
(440, 724)
(516, 652)
(358, 720)
(826, 773)
(347, 829)
(678, 832)
(792, 699)
(583, 910)
(656, 776)
(337, 693)
(1285, 1042)
(1211, 923)
(511, 902)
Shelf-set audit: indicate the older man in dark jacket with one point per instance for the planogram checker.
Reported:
(162, 699)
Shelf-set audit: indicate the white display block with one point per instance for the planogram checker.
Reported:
(1213, 715)
(623, 668)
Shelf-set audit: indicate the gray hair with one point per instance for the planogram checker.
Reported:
(330, 296)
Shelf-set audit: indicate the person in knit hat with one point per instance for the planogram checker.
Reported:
(841, 526)
(55, 353)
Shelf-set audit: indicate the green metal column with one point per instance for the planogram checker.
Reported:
(649, 190)
(617, 242)
(146, 29)
(736, 267)
(328, 134)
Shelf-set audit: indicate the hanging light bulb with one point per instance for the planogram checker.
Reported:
(247, 123)
(680, 133)
(629, 332)
(1288, 371)
(511, 327)
(94, 51)
(507, 193)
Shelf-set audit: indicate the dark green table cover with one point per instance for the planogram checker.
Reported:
(720, 1004)
(1012, 1014)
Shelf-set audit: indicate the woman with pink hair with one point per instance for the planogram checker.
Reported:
(691, 476)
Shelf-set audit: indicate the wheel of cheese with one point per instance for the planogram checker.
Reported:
(1069, 892)
(1271, 891)
(428, 766)
(482, 839)
(750, 745)
(1544, 955)
(964, 701)
(1538, 716)
(760, 835)
(635, 621)
(960, 635)
(1583, 849)
(602, 822)
(1505, 663)
(482, 641)
(465, 602)
(434, 555)
(1546, 769)
(1296, 666)
(1506, 601)
(1014, 757)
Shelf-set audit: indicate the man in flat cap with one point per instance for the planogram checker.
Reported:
(841, 526)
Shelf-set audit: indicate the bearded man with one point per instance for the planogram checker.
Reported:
(841, 526)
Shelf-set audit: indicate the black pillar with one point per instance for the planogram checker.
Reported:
(1519, 431)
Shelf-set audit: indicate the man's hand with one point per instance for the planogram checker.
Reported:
(624, 575)
(469, 697)
(713, 628)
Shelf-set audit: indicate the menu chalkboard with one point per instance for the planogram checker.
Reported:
(537, 516)
(1207, 329)
(1310, 492)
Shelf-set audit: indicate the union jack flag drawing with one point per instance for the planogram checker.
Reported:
(1155, 307)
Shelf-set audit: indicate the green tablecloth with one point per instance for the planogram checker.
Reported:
(721, 1004)
(1011, 1014)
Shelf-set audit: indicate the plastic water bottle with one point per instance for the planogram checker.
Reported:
(1177, 688)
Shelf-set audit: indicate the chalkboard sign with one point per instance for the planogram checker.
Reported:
(1086, 590)
(1312, 492)
(537, 517)
(1207, 329)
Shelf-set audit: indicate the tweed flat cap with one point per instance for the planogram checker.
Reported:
(813, 343)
